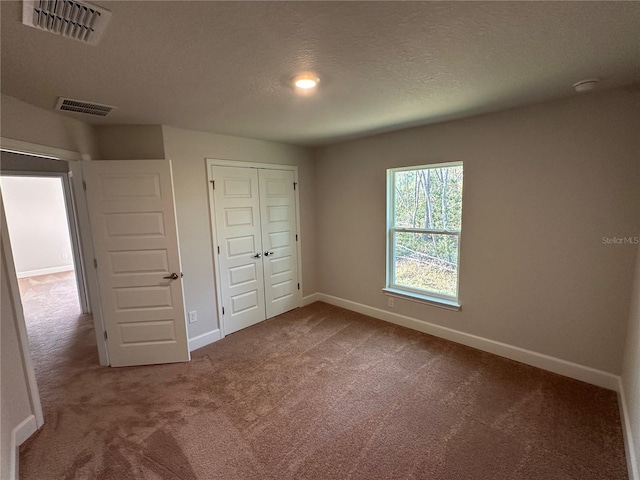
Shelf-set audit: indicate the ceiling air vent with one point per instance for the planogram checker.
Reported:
(78, 106)
(76, 20)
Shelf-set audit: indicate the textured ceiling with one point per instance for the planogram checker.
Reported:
(225, 67)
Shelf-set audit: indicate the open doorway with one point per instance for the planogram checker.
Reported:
(40, 224)
(38, 227)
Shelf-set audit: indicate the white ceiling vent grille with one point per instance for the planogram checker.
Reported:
(76, 20)
(78, 106)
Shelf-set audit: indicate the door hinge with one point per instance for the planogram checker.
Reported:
(106, 335)
(223, 310)
(213, 184)
(298, 286)
(218, 249)
(295, 184)
(84, 185)
(95, 263)
(296, 237)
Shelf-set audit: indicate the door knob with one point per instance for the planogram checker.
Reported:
(173, 276)
(257, 255)
(266, 254)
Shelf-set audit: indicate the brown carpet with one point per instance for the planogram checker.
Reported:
(317, 393)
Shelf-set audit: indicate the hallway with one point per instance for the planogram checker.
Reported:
(59, 334)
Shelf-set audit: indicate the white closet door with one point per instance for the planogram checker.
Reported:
(237, 216)
(278, 218)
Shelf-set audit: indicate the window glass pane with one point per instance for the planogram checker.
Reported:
(426, 262)
(429, 198)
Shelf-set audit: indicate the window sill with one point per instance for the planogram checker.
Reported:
(424, 299)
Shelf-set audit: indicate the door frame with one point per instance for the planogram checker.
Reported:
(21, 326)
(211, 162)
(79, 203)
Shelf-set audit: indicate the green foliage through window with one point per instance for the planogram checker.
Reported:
(425, 219)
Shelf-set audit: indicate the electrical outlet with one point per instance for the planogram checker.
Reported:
(193, 316)
(390, 302)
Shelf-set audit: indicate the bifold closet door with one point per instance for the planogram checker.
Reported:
(237, 212)
(280, 252)
(255, 217)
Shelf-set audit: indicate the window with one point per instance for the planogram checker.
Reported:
(424, 221)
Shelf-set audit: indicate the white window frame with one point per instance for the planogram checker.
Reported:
(402, 291)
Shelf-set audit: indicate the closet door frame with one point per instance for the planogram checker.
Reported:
(210, 163)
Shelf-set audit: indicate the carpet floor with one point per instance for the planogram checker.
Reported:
(316, 393)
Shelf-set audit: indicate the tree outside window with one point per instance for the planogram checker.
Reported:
(424, 224)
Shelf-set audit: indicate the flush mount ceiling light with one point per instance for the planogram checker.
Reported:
(585, 85)
(306, 82)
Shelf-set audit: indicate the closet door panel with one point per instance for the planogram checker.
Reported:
(278, 220)
(237, 217)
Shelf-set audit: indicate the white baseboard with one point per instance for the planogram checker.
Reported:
(545, 362)
(19, 435)
(44, 271)
(309, 299)
(204, 339)
(632, 464)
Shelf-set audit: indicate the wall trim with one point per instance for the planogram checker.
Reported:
(207, 338)
(223, 162)
(627, 432)
(309, 299)
(19, 435)
(45, 271)
(545, 362)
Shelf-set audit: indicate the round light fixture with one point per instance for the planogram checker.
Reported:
(306, 81)
(585, 85)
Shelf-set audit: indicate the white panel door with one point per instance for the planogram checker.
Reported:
(135, 237)
(237, 216)
(278, 218)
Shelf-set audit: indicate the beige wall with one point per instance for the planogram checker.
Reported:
(38, 227)
(187, 150)
(15, 404)
(631, 365)
(130, 142)
(542, 186)
(21, 121)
